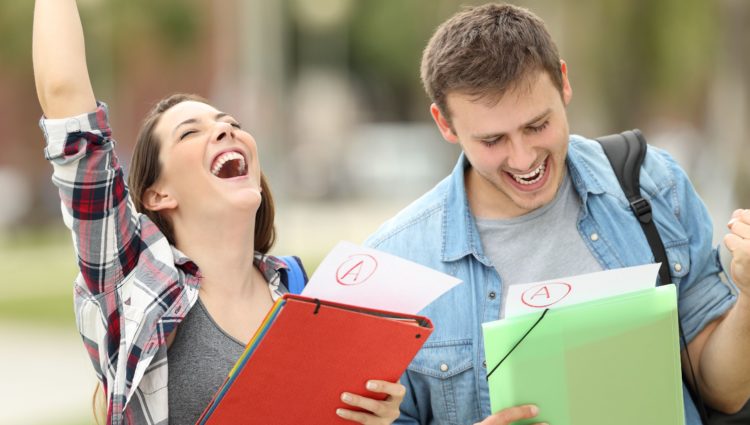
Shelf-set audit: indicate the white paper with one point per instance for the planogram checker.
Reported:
(365, 277)
(530, 297)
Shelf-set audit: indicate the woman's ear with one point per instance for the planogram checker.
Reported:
(155, 199)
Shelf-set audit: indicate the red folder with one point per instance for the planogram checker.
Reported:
(306, 354)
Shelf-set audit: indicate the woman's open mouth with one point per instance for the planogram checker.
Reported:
(229, 164)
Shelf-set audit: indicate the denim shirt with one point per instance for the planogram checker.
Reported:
(446, 382)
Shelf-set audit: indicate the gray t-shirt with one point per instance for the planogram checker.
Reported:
(199, 342)
(543, 244)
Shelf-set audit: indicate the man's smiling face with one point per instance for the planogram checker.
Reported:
(516, 145)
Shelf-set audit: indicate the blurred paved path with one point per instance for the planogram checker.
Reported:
(45, 376)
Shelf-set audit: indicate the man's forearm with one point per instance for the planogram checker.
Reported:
(724, 369)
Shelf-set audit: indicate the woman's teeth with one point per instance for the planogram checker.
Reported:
(226, 157)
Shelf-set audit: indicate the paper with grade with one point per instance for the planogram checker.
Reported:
(356, 275)
(612, 361)
(535, 297)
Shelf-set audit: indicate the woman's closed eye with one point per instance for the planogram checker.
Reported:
(192, 131)
(187, 133)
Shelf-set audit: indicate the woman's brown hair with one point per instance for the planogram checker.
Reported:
(145, 170)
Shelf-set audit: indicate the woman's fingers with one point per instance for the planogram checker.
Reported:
(380, 411)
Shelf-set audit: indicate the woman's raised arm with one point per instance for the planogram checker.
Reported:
(59, 54)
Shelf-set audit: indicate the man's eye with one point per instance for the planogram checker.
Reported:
(539, 128)
(490, 142)
(187, 133)
(237, 125)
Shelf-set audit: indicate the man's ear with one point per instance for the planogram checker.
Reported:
(567, 90)
(156, 199)
(443, 124)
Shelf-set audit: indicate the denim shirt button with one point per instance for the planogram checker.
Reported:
(677, 267)
(444, 367)
(492, 295)
(594, 237)
(484, 364)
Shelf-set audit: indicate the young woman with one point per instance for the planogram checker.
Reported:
(175, 275)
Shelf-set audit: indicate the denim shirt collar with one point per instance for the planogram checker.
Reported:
(460, 234)
(581, 168)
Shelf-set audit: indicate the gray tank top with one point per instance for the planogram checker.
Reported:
(543, 244)
(199, 361)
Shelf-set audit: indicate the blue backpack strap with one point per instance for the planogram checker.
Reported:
(296, 278)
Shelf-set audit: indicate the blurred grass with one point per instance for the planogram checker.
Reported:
(38, 267)
(48, 310)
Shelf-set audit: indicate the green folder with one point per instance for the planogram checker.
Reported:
(611, 361)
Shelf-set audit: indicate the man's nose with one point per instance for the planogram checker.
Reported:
(521, 157)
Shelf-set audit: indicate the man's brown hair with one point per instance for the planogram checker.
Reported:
(145, 169)
(485, 51)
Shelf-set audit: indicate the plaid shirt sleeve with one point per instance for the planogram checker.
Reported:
(94, 197)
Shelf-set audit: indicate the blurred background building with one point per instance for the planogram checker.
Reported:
(330, 89)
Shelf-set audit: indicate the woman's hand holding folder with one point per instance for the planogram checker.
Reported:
(382, 411)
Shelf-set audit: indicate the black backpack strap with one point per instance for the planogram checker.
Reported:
(626, 152)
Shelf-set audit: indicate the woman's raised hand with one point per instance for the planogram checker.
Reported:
(59, 55)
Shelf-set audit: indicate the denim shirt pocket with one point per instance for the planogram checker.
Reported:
(444, 372)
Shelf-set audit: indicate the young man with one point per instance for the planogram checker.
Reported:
(529, 202)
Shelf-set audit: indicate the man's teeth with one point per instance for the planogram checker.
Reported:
(532, 177)
(224, 158)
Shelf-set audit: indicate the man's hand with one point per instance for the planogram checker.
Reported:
(511, 414)
(738, 243)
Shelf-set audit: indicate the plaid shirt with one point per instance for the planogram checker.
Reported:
(134, 288)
